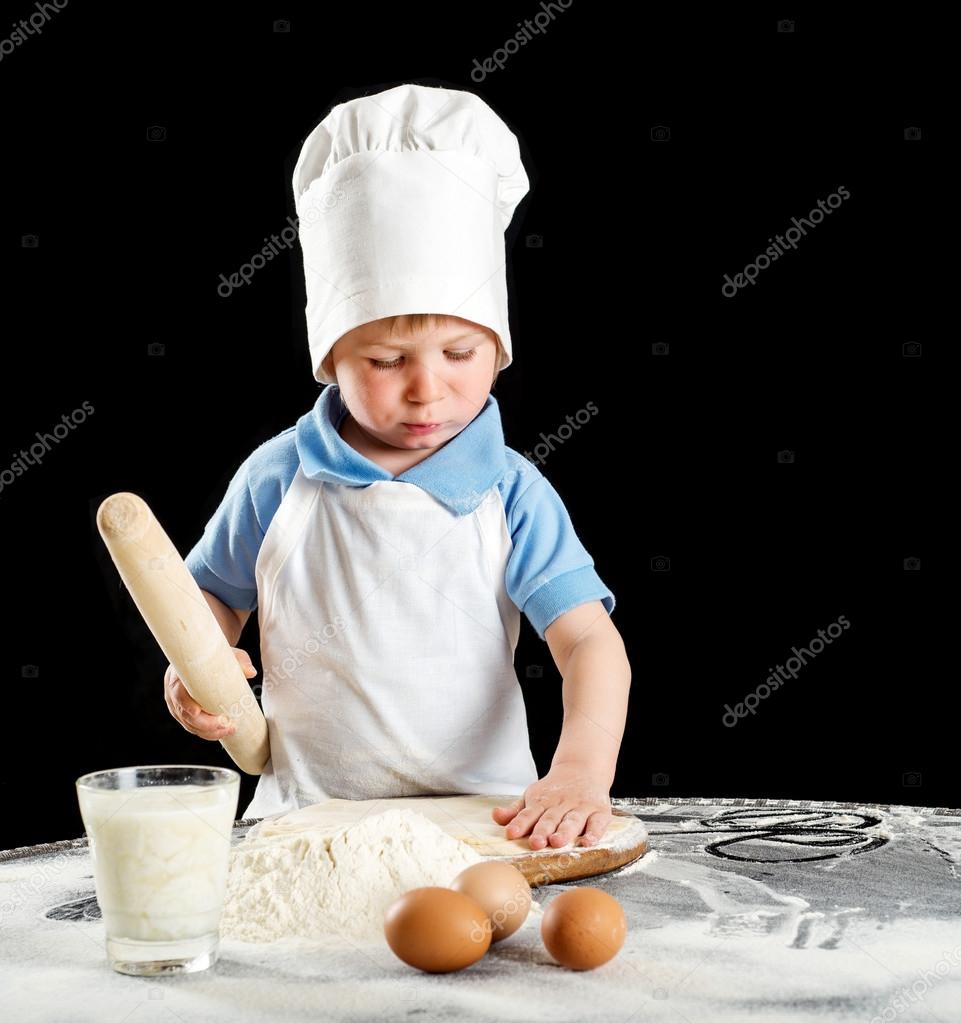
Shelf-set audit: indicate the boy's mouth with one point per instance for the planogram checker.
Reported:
(422, 427)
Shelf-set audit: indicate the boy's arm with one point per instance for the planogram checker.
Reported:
(590, 656)
(574, 796)
(230, 619)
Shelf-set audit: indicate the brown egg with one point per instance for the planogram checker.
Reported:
(583, 928)
(501, 890)
(436, 929)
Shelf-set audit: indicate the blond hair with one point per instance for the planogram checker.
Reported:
(421, 323)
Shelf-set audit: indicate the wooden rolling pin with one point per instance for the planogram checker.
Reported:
(182, 622)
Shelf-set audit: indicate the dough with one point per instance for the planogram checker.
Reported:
(466, 818)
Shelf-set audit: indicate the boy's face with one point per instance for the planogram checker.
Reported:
(390, 382)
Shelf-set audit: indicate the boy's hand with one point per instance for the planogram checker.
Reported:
(190, 714)
(564, 803)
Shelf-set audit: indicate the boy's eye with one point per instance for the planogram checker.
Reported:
(454, 356)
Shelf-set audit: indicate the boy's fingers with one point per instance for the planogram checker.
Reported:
(502, 814)
(523, 821)
(209, 726)
(192, 717)
(187, 704)
(198, 717)
(597, 824)
(209, 722)
(552, 816)
(568, 828)
(245, 662)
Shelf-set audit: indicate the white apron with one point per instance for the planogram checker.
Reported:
(387, 644)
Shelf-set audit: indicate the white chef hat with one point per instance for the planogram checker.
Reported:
(403, 198)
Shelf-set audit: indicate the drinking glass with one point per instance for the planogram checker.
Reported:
(160, 837)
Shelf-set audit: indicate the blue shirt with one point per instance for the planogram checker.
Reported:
(549, 570)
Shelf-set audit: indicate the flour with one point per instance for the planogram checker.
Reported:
(336, 885)
(707, 939)
(644, 862)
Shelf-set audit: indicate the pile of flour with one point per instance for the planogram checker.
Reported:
(328, 885)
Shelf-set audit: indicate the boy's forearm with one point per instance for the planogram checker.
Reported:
(597, 682)
(226, 618)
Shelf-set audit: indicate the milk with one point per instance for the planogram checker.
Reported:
(160, 857)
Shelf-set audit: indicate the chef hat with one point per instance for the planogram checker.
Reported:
(403, 198)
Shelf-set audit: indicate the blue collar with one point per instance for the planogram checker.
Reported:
(458, 475)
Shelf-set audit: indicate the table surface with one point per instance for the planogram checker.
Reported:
(769, 910)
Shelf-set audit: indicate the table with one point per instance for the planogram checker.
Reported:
(770, 910)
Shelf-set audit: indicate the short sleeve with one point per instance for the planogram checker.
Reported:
(548, 571)
(223, 561)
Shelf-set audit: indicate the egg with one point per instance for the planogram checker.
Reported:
(437, 930)
(501, 890)
(583, 928)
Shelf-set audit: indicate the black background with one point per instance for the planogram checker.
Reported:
(681, 460)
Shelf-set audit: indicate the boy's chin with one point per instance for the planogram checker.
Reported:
(411, 442)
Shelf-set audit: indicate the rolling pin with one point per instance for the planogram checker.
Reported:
(181, 621)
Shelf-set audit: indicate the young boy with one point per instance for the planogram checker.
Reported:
(390, 538)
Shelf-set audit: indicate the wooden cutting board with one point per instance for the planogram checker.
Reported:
(468, 819)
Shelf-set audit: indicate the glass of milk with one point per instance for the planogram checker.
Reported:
(160, 842)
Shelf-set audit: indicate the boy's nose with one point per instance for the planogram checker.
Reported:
(423, 385)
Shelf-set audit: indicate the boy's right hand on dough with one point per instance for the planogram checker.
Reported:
(190, 714)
